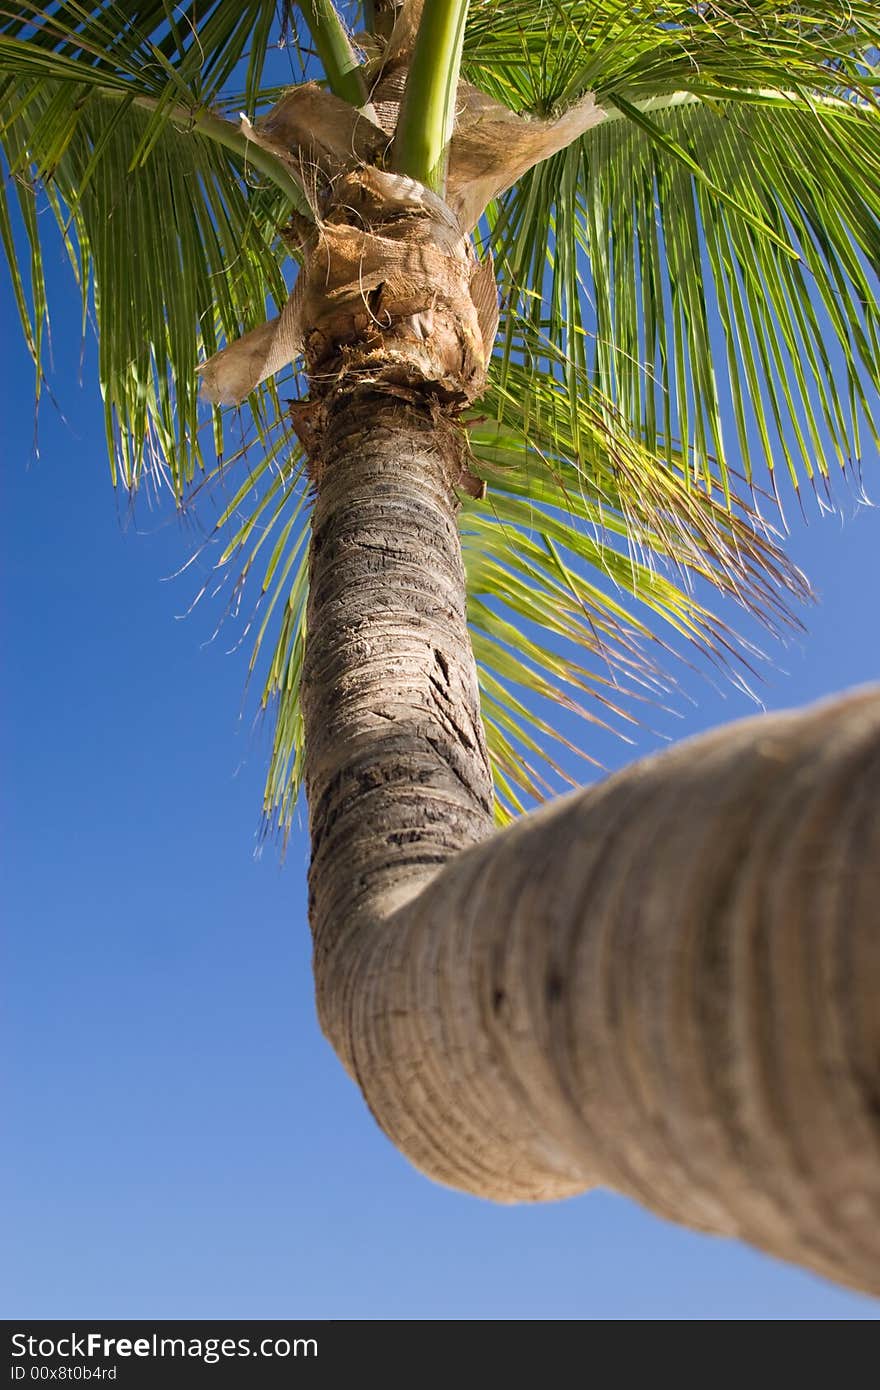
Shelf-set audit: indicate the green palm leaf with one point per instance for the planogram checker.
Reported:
(538, 54)
(733, 198)
(168, 216)
(650, 273)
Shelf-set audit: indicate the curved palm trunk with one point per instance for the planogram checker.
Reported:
(666, 985)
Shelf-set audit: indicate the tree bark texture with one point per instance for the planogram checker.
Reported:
(397, 772)
(667, 985)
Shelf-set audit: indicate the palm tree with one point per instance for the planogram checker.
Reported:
(666, 984)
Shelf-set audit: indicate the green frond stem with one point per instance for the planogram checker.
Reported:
(427, 111)
(649, 256)
(341, 67)
(764, 96)
(230, 136)
(234, 139)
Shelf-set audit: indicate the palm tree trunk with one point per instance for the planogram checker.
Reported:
(666, 985)
(397, 771)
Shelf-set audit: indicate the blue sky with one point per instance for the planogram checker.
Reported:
(181, 1141)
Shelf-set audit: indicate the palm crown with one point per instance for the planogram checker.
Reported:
(704, 251)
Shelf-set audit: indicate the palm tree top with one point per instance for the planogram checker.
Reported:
(687, 288)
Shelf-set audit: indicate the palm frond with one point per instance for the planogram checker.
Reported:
(660, 289)
(188, 52)
(587, 543)
(169, 260)
(585, 548)
(712, 247)
(538, 54)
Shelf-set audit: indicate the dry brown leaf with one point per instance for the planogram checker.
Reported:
(492, 147)
(236, 370)
(389, 256)
(388, 267)
(403, 35)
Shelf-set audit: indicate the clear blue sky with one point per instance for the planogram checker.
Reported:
(180, 1140)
